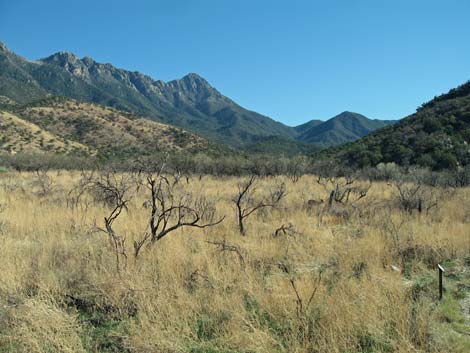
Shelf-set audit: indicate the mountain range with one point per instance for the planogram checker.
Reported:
(437, 136)
(345, 127)
(190, 103)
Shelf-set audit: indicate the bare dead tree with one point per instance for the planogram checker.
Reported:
(224, 246)
(118, 242)
(416, 197)
(76, 194)
(109, 187)
(295, 176)
(43, 182)
(311, 204)
(247, 202)
(115, 190)
(170, 209)
(392, 230)
(169, 212)
(303, 304)
(176, 177)
(296, 168)
(284, 230)
(343, 190)
(408, 196)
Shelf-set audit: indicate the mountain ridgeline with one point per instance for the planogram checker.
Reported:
(340, 129)
(437, 136)
(190, 103)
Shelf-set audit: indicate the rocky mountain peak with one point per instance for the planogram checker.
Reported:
(69, 62)
(191, 81)
(193, 77)
(62, 57)
(195, 86)
(3, 48)
(88, 61)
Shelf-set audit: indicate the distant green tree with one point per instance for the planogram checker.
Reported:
(445, 160)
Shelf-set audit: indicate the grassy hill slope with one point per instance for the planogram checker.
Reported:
(436, 136)
(19, 135)
(99, 130)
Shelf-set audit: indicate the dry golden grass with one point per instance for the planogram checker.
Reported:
(19, 135)
(59, 290)
(100, 127)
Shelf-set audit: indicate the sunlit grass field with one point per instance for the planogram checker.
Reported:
(359, 278)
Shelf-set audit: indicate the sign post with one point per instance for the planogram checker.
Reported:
(441, 271)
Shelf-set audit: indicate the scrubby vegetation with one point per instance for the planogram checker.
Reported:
(437, 136)
(336, 264)
(75, 128)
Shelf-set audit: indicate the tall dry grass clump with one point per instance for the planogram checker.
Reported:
(350, 276)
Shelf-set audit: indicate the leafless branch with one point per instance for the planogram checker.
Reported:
(247, 203)
(225, 246)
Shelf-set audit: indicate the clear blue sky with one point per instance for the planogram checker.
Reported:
(293, 60)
